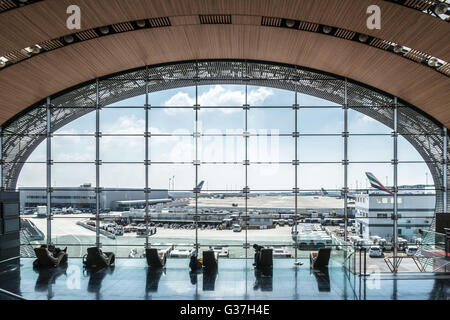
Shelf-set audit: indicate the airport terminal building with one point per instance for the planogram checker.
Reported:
(374, 214)
(84, 197)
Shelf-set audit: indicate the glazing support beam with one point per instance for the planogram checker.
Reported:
(97, 166)
(395, 191)
(296, 177)
(49, 171)
(345, 135)
(147, 244)
(444, 169)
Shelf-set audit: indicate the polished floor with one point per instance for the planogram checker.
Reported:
(236, 279)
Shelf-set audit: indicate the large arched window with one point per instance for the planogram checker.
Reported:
(273, 145)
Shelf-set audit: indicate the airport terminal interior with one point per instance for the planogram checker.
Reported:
(210, 150)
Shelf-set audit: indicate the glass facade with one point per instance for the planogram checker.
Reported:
(277, 165)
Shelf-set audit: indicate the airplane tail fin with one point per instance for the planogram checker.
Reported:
(200, 185)
(374, 183)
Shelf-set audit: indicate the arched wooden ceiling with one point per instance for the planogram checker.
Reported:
(31, 80)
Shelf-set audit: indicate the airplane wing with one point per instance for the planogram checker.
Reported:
(150, 201)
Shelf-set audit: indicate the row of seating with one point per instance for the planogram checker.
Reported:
(95, 258)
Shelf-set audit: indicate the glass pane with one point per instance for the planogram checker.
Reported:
(271, 149)
(221, 226)
(370, 148)
(321, 120)
(221, 121)
(222, 149)
(172, 120)
(265, 96)
(321, 149)
(357, 178)
(122, 121)
(271, 177)
(84, 122)
(32, 175)
(122, 149)
(318, 176)
(267, 227)
(360, 123)
(122, 175)
(172, 177)
(172, 149)
(407, 152)
(221, 95)
(73, 149)
(414, 176)
(271, 121)
(72, 175)
(226, 177)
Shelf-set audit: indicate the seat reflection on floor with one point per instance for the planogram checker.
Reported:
(323, 279)
(153, 277)
(47, 278)
(209, 280)
(263, 279)
(235, 279)
(96, 276)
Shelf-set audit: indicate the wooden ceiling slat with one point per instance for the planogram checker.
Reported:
(46, 20)
(30, 81)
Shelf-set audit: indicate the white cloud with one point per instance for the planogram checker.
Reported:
(218, 96)
(367, 119)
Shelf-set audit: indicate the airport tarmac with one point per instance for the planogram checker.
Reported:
(65, 231)
(269, 202)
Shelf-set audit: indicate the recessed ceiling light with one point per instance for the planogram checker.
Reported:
(441, 8)
(69, 39)
(104, 30)
(433, 62)
(290, 23)
(398, 48)
(140, 23)
(327, 29)
(35, 49)
(363, 37)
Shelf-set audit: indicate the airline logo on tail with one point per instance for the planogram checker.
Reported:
(324, 192)
(375, 183)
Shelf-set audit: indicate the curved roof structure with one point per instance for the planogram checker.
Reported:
(318, 34)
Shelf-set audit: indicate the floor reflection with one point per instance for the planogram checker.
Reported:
(153, 277)
(263, 279)
(323, 279)
(96, 277)
(209, 280)
(47, 278)
(235, 279)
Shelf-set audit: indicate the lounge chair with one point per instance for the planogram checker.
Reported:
(155, 259)
(210, 259)
(45, 259)
(320, 259)
(265, 259)
(96, 259)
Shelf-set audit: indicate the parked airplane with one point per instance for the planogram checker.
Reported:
(131, 203)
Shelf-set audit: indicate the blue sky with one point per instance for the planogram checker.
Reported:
(219, 121)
